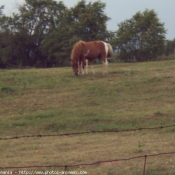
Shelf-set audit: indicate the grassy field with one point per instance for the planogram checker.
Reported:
(54, 101)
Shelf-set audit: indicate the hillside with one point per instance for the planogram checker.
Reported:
(54, 101)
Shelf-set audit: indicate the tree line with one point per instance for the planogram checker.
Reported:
(43, 32)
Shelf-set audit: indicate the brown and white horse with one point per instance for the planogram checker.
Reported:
(90, 51)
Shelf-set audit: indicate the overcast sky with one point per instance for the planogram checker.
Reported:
(120, 10)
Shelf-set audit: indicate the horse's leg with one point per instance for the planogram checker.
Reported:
(83, 65)
(86, 66)
(92, 67)
(80, 67)
(105, 62)
(106, 66)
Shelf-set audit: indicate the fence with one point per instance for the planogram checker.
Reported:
(93, 163)
(89, 132)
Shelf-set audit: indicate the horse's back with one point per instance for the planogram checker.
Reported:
(94, 49)
(94, 44)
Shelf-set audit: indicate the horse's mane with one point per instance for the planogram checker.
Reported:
(77, 48)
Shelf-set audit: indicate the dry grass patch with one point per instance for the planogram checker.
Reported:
(93, 148)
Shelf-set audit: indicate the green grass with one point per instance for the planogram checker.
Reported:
(54, 101)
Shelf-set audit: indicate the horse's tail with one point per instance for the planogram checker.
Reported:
(110, 51)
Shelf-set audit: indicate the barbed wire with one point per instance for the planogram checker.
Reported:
(93, 163)
(87, 132)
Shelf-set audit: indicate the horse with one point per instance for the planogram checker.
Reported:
(89, 51)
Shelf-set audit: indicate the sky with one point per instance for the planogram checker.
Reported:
(120, 10)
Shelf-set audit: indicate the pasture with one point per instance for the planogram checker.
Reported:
(54, 101)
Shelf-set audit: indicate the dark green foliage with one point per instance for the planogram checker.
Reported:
(7, 90)
(79, 23)
(140, 38)
(89, 21)
(43, 33)
(170, 47)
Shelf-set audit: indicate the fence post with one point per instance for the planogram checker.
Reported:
(144, 170)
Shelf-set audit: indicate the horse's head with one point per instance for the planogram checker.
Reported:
(76, 56)
(74, 66)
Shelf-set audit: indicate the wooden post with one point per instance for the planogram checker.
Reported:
(144, 170)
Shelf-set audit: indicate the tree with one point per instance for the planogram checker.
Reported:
(1, 10)
(43, 32)
(170, 47)
(85, 21)
(57, 48)
(140, 38)
(37, 19)
(6, 38)
(88, 21)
